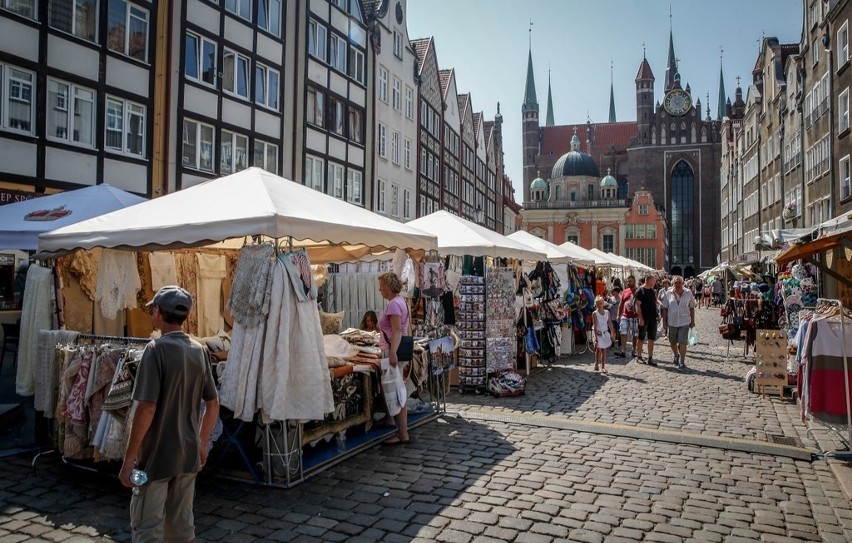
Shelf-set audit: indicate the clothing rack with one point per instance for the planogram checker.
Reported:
(111, 339)
(847, 439)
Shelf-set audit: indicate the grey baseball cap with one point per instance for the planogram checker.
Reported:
(173, 299)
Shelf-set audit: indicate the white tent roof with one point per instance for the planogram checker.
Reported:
(22, 222)
(252, 202)
(554, 253)
(606, 259)
(457, 236)
(581, 256)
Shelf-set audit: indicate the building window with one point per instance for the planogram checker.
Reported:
(845, 185)
(337, 47)
(315, 173)
(315, 109)
(406, 204)
(127, 29)
(125, 127)
(815, 47)
(397, 45)
(356, 125)
(383, 85)
(266, 86)
(240, 8)
(651, 231)
(235, 74)
(335, 180)
(16, 93)
(233, 153)
(843, 111)
(395, 147)
(197, 146)
(383, 136)
(339, 4)
(643, 209)
(265, 156)
(407, 154)
(316, 40)
(354, 187)
(336, 116)
(394, 203)
(356, 65)
(397, 94)
(628, 231)
(24, 8)
(380, 196)
(269, 16)
(608, 243)
(70, 113)
(200, 59)
(409, 103)
(77, 17)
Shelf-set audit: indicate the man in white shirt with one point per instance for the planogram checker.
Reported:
(678, 312)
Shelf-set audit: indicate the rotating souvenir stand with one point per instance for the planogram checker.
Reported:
(771, 361)
(472, 373)
(500, 328)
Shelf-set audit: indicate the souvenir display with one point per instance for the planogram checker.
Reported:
(500, 319)
(771, 360)
(471, 330)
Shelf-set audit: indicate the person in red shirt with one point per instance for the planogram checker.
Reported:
(628, 320)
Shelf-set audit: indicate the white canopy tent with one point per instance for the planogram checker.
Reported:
(581, 256)
(607, 259)
(459, 237)
(252, 202)
(554, 253)
(22, 222)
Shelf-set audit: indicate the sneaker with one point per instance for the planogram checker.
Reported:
(681, 366)
(651, 362)
(638, 358)
(676, 360)
(620, 354)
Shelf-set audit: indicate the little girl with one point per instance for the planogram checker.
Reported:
(602, 325)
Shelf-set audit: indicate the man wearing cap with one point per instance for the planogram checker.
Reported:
(168, 435)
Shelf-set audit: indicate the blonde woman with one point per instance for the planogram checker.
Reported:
(393, 324)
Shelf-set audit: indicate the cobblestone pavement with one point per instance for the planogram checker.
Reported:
(467, 480)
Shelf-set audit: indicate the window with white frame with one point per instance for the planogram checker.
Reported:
(70, 113)
(409, 102)
(397, 94)
(24, 8)
(336, 115)
(16, 99)
(317, 36)
(315, 173)
(315, 109)
(394, 200)
(269, 16)
(266, 81)
(843, 110)
(843, 44)
(337, 49)
(235, 74)
(240, 8)
(335, 180)
(845, 184)
(265, 156)
(383, 85)
(356, 65)
(395, 147)
(77, 17)
(380, 196)
(397, 44)
(354, 186)
(198, 141)
(125, 127)
(643, 209)
(200, 59)
(406, 204)
(383, 137)
(356, 125)
(127, 29)
(407, 154)
(233, 153)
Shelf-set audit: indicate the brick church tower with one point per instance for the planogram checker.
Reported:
(529, 116)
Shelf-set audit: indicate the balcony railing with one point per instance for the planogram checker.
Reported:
(579, 204)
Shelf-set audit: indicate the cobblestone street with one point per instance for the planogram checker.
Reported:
(471, 476)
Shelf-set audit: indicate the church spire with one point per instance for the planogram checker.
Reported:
(530, 100)
(549, 119)
(720, 108)
(671, 67)
(611, 96)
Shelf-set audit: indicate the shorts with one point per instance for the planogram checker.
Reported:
(648, 330)
(699, 294)
(162, 510)
(628, 326)
(678, 334)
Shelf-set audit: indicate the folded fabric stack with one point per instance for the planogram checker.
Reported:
(360, 337)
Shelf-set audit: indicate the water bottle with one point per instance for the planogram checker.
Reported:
(138, 477)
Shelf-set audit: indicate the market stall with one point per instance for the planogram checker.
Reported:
(279, 228)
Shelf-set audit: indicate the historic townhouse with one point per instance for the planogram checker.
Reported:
(450, 194)
(839, 34)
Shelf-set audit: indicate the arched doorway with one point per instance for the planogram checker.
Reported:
(682, 214)
(675, 271)
(688, 272)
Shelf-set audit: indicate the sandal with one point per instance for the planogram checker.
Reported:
(394, 441)
(604, 371)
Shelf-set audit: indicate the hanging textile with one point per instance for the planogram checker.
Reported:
(47, 368)
(825, 383)
(118, 282)
(163, 269)
(211, 272)
(37, 313)
(250, 288)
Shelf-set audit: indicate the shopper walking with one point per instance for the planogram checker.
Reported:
(168, 436)
(602, 326)
(628, 323)
(678, 312)
(613, 302)
(717, 292)
(646, 311)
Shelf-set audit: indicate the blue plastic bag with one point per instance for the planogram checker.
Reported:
(692, 338)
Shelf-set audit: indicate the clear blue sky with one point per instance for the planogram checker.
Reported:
(487, 42)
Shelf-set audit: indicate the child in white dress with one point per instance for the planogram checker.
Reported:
(602, 326)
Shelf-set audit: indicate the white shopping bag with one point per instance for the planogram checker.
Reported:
(393, 387)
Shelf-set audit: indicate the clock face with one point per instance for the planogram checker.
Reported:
(677, 102)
